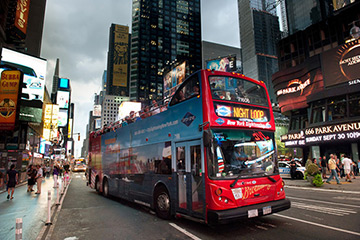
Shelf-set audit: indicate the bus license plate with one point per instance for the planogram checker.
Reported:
(237, 193)
(266, 210)
(253, 213)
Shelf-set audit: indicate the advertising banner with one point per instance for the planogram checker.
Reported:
(174, 78)
(64, 83)
(342, 64)
(120, 65)
(32, 92)
(225, 64)
(97, 111)
(21, 17)
(62, 99)
(9, 95)
(50, 122)
(294, 85)
(62, 118)
(97, 123)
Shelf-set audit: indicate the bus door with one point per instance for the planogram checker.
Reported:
(191, 187)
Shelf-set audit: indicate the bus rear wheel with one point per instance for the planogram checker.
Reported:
(162, 203)
(97, 185)
(106, 188)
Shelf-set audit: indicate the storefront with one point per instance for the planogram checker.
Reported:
(322, 99)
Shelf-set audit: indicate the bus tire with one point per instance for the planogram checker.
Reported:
(97, 185)
(105, 187)
(162, 203)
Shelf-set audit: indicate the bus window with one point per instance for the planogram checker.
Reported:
(190, 89)
(237, 90)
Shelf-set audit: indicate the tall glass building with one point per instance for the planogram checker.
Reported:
(259, 33)
(163, 32)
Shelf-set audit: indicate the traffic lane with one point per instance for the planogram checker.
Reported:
(269, 227)
(88, 215)
(325, 207)
(32, 208)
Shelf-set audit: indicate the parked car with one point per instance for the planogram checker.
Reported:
(284, 169)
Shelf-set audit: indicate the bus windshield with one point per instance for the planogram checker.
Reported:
(242, 153)
(237, 90)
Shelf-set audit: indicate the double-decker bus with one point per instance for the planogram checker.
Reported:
(210, 156)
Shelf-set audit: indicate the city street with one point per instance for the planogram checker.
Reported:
(331, 212)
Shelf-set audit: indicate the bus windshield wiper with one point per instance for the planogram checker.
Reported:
(261, 174)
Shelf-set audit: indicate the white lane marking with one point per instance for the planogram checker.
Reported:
(332, 211)
(347, 198)
(318, 225)
(323, 190)
(184, 231)
(318, 201)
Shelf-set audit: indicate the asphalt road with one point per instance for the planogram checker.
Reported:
(314, 214)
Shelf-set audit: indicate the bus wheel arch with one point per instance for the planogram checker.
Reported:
(162, 202)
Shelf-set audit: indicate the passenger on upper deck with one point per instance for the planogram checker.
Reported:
(155, 109)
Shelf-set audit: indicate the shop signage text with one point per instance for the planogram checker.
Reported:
(300, 87)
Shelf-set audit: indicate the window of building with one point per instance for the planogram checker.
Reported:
(354, 105)
(318, 111)
(336, 108)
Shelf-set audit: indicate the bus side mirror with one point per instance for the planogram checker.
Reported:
(207, 138)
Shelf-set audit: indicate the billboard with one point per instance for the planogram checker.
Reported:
(293, 85)
(126, 107)
(342, 64)
(97, 111)
(173, 79)
(97, 123)
(120, 61)
(50, 122)
(64, 83)
(33, 87)
(62, 118)
(225, 64)
(338, 4)
(9, 95)
(62, 99)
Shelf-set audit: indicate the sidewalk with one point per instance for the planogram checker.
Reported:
(30, 207)
(345, 186)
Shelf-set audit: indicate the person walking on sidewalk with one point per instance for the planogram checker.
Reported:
(332, 168)
(39, 177)
(347, 167)
(323, 167)
(56, 175)
(12, 180)
(31, 178)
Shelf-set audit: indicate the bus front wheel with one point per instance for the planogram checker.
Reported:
(162, 203)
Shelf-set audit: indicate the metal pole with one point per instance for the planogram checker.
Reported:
(18, 231)
(57, 197)
(48, 221)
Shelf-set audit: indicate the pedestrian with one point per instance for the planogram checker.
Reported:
(56, 175)
(332, 168)
(66, 175)
(293, 169)
(39, 177)
(347, 167)
(323, 164)
(12, 180)
(48, 169)
(31, 172)
(1, 179)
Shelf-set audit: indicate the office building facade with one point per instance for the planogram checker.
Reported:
(259, 33)
(163, 32)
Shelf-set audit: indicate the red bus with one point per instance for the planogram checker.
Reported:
(210, 156)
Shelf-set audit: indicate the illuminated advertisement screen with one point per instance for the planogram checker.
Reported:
(33, 87)
(64, 83)
(242, 113)
(62, 118)
(341, 64)
(225, 64)
(173, 79)
(62, 99)
(338, 4)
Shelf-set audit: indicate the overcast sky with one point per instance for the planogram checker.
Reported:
(77, 32)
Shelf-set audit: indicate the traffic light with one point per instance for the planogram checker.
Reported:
(79, 137)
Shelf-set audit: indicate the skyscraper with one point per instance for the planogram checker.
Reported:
(259, 32)
(163, 31)
(302, 14)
